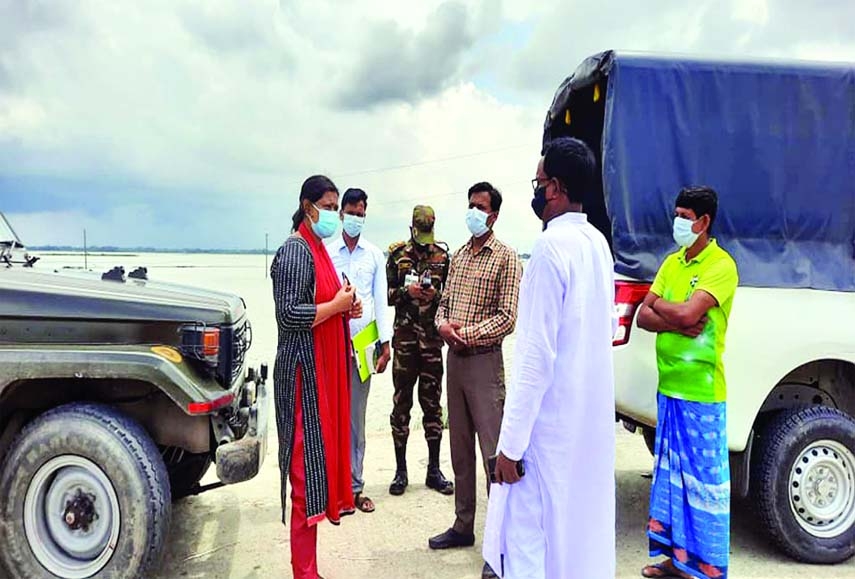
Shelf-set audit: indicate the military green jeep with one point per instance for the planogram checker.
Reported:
(116, 394)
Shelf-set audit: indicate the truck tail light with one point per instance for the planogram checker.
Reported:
(209, 406)
(629, 296)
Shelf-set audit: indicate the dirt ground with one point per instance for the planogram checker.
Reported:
(235, 532)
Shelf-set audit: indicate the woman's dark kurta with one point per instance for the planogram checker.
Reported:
(293, 274)
(315, 362)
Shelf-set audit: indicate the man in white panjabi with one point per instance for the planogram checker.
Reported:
(557, 521)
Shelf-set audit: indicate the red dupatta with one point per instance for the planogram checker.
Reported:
(332, 361)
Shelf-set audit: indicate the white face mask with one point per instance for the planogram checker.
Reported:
(353, 225)
(476, 221)
(683, 234)
(327, 223)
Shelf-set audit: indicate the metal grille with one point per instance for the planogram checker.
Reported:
(241, 341)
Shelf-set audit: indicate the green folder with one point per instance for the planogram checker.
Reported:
(365, 344)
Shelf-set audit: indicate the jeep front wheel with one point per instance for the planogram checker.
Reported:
(85, 493)
(805, 483)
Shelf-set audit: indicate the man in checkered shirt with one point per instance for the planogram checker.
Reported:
(476, 312)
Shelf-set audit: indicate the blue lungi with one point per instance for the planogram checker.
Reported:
(690, 496)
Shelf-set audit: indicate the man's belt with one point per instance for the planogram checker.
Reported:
(478, 350)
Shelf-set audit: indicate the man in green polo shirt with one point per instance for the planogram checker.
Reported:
(688, 307)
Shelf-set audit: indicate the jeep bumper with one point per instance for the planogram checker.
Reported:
(240, 460)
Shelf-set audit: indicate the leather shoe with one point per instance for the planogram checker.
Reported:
(488, 573)
(436, 480)
(451, 539)
(399, 483)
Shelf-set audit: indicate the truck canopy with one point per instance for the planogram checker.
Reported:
(776, 141)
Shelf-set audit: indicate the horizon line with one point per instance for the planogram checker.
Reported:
(142, 249)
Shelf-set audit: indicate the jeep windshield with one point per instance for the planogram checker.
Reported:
(8, 237)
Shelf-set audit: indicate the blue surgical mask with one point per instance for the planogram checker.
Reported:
(327, 223)
(476, 221)
(353, 225)
(683, 234)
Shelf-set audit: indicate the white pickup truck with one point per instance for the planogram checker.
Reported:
(790, 366)
(777, 141)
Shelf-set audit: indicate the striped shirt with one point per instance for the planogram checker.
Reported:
(482, 293)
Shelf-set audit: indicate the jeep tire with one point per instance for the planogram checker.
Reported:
(804, 483)
(104, 475)
(649, 435)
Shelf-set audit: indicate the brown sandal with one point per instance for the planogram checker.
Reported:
(664, 570)
(363, 503)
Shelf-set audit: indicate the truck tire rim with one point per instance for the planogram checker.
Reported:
(822, 489)
(71, 517)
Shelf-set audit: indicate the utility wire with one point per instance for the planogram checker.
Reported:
(428, 162)
(420, 198)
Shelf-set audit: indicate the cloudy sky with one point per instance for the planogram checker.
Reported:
(178, 124)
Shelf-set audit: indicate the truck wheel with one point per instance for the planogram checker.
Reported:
(83, 493)
(649, 435)
(185, 470)
(804, 483)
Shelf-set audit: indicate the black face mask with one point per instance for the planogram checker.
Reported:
(538, 204)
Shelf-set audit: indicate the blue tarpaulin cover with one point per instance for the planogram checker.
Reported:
(775, 140)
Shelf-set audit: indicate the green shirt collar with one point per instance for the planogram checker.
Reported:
(711, 247)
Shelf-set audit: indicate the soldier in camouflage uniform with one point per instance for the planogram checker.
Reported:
(416, 272)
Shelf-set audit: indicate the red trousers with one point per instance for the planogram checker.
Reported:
(304, 537)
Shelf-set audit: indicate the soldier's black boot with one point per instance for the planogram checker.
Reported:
(400, 482)
(435, 479)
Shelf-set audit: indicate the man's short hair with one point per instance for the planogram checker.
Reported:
(700, 199)
(353, 197)
(572, 162)
(495, 195)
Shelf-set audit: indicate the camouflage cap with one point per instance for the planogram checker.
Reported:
(423, 220)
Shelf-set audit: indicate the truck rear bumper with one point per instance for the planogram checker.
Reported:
(241, 460)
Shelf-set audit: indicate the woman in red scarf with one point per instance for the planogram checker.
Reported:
(311, 374)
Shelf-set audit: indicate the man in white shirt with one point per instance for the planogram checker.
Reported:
(553, 512)
(364, 265)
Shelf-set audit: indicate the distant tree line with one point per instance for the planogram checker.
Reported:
(114, 249)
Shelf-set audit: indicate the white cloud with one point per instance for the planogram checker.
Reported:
(565, 33)
(831, 51)
(135, 223)
(754, 11)
(19, 115)
(196, 122)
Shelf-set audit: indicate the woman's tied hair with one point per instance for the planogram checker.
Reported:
(313, 189)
